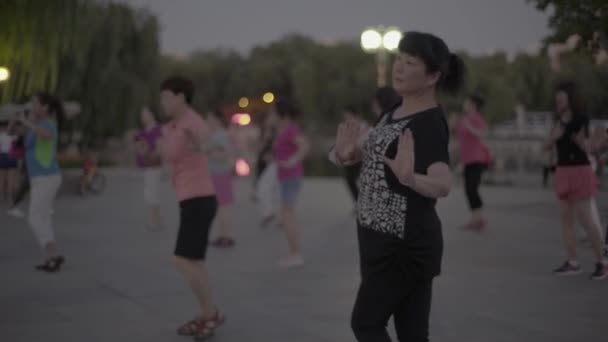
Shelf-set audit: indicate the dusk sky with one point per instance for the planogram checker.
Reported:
(472, 25)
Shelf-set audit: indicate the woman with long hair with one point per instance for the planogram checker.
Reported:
(575, 182)
(405, 171)
(43, 170)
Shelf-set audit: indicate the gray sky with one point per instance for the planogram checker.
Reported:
(472, 25)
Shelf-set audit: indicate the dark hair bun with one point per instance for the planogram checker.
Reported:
(453, 81)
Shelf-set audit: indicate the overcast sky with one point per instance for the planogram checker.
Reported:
(472, 25)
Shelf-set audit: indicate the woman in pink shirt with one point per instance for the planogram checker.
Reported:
(290, 148)
(184, 148)
(475, 157)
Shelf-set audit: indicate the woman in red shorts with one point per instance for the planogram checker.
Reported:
(575, 181)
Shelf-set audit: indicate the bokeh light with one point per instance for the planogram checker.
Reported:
(242, 168)
(243, 102)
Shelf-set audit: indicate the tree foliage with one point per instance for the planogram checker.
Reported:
(101, 54)
(587, 18)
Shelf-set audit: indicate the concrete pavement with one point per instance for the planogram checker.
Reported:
(119, 285)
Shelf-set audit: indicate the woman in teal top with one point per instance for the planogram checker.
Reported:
(43, 170)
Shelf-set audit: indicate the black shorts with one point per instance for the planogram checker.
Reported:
(195, 219)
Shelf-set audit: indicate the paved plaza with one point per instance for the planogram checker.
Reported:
(119, 283)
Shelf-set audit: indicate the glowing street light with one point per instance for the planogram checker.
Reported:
(371, 40)
(243, 102)
(381, 41)
(4, 74)
(268, 97)
(391, 40)
(241, 119)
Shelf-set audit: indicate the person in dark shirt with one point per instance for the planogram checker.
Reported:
(404, 171)
(575, 181)
(351, 172)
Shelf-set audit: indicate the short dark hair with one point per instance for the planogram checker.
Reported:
(435, 54)
(179, 85)
(286, 108)
(477, 100)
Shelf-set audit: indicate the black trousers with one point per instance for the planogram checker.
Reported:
(393, 293)
(472, 180)
(351, 173)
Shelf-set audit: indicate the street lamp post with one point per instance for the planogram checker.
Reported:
(381, 41)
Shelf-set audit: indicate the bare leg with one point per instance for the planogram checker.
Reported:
(155, 216)
(477, 215)
(585, 215)
(196, 275)
(288, 217)
(568, 234)
(223, 219)
(51, 250)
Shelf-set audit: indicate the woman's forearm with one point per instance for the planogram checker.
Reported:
(334, 159)
(429, 186)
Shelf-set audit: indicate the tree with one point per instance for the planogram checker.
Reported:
(101, 54)
(587, 18)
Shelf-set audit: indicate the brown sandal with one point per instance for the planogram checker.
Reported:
(52, 265)
(204, 333)
(207, 327)
(190, 328)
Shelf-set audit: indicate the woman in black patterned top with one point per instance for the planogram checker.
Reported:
(405, 170)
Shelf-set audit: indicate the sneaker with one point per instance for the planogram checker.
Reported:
(16, 212)
(567, 269)
(601, 272)
(291, 261)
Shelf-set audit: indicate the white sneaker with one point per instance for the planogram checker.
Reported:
(291, 261)
(16, 212)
